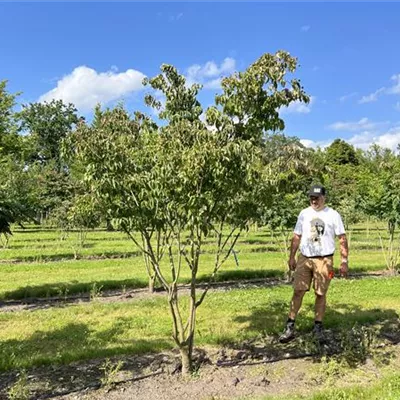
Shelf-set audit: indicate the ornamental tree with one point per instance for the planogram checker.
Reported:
(193, 176)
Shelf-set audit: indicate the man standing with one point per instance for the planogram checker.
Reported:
(315, 232)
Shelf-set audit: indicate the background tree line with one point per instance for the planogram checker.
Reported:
(38, 184)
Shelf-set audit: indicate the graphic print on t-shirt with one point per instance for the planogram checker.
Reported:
(317, 230)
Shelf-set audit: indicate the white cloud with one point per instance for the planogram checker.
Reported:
(213, 84)
(210, 74)
(397, 106)
(362, 124)
(305, 28)
(389, 139)
(297, 107)
(364, 140)
(373, 96)
(307, 142)
(396, 88)
(347, 96)
(314, 144)
(85, 87)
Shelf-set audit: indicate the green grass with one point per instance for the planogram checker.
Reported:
(64, 334)
(22, 280)
(40, 264)
(387, 388)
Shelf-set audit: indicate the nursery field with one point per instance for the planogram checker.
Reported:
(77, 321)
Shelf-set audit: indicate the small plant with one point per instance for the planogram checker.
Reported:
(309, 345)
(196, 372)
(62, 292)
(110, 371)
(330, 370)
(19, 390)
(95, 291)
(356, 344)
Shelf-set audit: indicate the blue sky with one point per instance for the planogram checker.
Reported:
(88, 52)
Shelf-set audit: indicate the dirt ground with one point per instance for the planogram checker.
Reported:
(256, 368)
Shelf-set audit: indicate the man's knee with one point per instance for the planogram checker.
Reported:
(320, 297)
(299, 294)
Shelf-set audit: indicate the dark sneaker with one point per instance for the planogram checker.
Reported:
(288, 334)
(318, 332)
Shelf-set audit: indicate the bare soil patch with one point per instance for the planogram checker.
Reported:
(254, 368)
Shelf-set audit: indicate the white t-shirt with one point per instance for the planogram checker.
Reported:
(318, 230)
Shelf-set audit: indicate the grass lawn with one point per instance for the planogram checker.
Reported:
(39, 264)
(97, 329)
(385, 389)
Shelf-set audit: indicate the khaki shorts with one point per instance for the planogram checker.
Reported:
(319, 270)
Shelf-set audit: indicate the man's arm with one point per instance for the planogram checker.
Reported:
(344, 253)
(293, 249)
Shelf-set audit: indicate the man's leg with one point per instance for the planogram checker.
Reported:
(289, 332)
(296, 302)
(320, 306)
(323, 274)
(301, 284)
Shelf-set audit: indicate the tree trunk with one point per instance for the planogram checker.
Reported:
(109, 226)
(186, 358)
(392, 258)
(152, 283)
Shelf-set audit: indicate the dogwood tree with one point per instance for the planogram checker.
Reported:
(192, 176)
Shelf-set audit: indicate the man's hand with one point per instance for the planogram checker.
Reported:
(344, 269)
(292, 263)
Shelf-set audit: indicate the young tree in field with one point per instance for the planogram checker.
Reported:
(16, 188)
(17, 196)
(191, 178)
(77, 215)
(382, 200)
(116, 157)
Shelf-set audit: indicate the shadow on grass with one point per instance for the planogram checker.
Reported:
(63, 290)
(264, 249)
(58, 240)
(97, 254)
(350, 333)
(49, 245)
(270, 318)
(69, 255)
(49, 357)
(239, 274)
(56, 230)
(66, 290)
